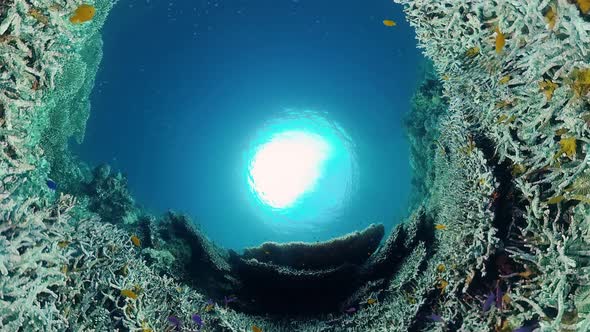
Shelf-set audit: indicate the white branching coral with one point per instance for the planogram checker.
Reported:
(526, 90)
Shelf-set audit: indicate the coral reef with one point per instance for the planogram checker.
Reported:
(109, 197)
(353, 248)
(499, 241)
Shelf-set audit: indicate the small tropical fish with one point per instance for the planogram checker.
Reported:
(568, 146)
(389, 23)
(229, 299)
(350, 310)
(561, 131)
(128, 293)
(198, 320)
(145, 327)
(548, 87)
(51, 184)
(440, 227)
(36, 14)
(135, 240)
(487, 304)
(256, 329)
(555, 200)
(506, 298)
(210, 305)
(527, 328)
(499, 297)
(526, 274)
(174, 321)
(440, 268)
(442, 285)
(518, 169)
(371, 301)
(83, 13)
(551, 17)
(435, 318)
(63, 244)
(472, 52)
(584, 6)
(504, 79)
(500, 41)
(64, 269)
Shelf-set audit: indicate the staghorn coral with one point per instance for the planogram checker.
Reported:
(494, 160)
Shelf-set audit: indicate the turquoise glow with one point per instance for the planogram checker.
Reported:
(301, 170)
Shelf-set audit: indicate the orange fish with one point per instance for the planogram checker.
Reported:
(500, 40)
(136, 241)
(584, 6)
(256, 329)
(440, 226)
(83, 13)
(389, 23)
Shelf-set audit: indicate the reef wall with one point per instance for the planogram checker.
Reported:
(500, 242)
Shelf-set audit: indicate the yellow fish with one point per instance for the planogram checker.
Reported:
(442, 285)
(500, 41)
(256, 329)
(551, 17)
(371, 301)
(136, 241)
(440, 226)
(209, 307)
(128, 293)
(83, 13)
(440, 268)
(63, 244)
(472, 52)
(389, 23)
(505, 79)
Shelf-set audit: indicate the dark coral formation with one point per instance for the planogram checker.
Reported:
(352, 249)
(281, 278)
(109, 197)
(175, 246)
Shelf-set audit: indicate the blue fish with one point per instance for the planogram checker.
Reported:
(435, 318)
(51, 184)
(527, 328)
(174, 321)
(198, 320)
(489, 301)
(229, 299)
(350, 310)
(499, 295)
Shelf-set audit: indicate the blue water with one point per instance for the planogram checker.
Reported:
(184, 85)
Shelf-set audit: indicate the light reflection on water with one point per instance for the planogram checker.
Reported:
(301, 170)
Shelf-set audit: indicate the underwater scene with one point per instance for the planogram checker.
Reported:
(295, 165)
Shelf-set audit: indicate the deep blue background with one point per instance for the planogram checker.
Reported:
(183, 84)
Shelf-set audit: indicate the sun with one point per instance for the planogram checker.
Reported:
(287, 166)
